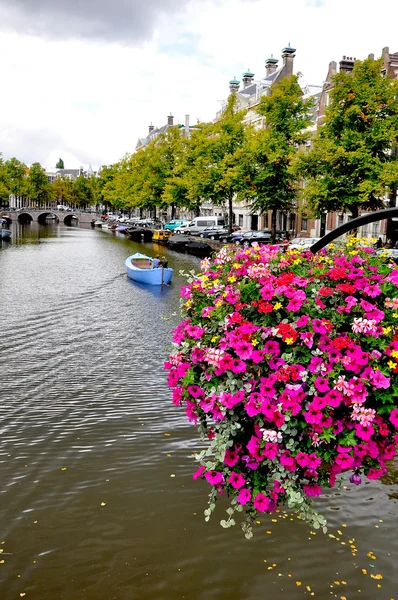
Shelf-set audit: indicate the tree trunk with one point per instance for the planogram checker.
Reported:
(230, 214)
(173, 210)
(273, 225)
(197, 210)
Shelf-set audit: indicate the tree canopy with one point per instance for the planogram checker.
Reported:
(351, 165)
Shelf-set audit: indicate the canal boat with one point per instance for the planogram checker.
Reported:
(161, 236)
(5, 234)
(139, 234)
(140, 268)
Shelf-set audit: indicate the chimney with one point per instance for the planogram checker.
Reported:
(234, 85)
(288, 55)
(247, 78)
(271, 64)
(347, 64)
(170, 120)
(186, 129)
(151, 128)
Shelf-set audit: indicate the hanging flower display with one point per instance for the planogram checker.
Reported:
(288, 366)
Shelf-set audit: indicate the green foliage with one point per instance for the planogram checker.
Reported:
(16, 176)
(351, 166)
(266, 173)
(38, 188)
(4, 182)
(213, 158)
(60, 164)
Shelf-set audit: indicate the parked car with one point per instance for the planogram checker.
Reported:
(302, 243)
(389, 254)
(174, 223)
(181, 229)
(200, 224)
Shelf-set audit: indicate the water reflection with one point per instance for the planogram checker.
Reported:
(95, 461)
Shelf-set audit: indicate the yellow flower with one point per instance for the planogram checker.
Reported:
(297, 261)
(353, 252)
(289, 341)
(255, 342)
(277, 306)
(214, 339)
(386, 330)
(391, 364)
(394, 353)
(232, 279)
(188, 303)
(219, 303)
(395, 315)
(236, 265)
(205, 277)
(216, 281)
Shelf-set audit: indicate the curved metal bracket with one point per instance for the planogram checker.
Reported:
(379, 215)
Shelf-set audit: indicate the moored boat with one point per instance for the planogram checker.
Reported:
(139, 234)
(160, 236)
(140, 268)
(5, 234)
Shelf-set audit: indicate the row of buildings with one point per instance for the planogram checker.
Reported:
(249, 91)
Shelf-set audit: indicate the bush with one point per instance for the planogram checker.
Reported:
(288, 366)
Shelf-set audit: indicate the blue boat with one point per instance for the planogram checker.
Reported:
(140, 268)
(5, 234)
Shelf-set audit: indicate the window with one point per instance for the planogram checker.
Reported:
(340, 220)
(240, 220)
(304, 224)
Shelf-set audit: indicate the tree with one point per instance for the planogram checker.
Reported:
(60, 164)
(4, 182)
(212, 157)
(39, 190)
(351, 165)
(16, 172)
(82, 192)
(62, 190)
(265, 172)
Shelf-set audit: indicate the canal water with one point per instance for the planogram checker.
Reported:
(96, 496)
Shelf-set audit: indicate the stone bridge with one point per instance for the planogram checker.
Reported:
(40, 216)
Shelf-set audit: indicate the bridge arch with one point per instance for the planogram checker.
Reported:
(25, 218)
(71, 219)
(42, 218)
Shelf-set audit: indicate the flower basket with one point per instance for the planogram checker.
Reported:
(288, 365)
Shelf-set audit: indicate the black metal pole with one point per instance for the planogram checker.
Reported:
(379, 215)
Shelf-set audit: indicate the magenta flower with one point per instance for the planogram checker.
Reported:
(322, 385)
(244, 496)
(261, 502)
(214, 477)
(236, 480)
(238, 366)
(313, 489)
(394, 417)
(198, 473)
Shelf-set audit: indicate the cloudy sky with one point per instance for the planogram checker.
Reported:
(83, 79)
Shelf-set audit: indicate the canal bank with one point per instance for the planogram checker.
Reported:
(97, 496)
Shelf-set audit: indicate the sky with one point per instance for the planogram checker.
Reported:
(83, 80)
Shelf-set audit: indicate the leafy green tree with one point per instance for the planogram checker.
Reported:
(351, 165)
(212, 157)
(82, 192)
(60, 164)
(4, 182)
(265, 174)
(62, 190)
(16, 173)
(39, 189)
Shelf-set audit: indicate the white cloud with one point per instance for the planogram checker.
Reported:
(90, 101)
